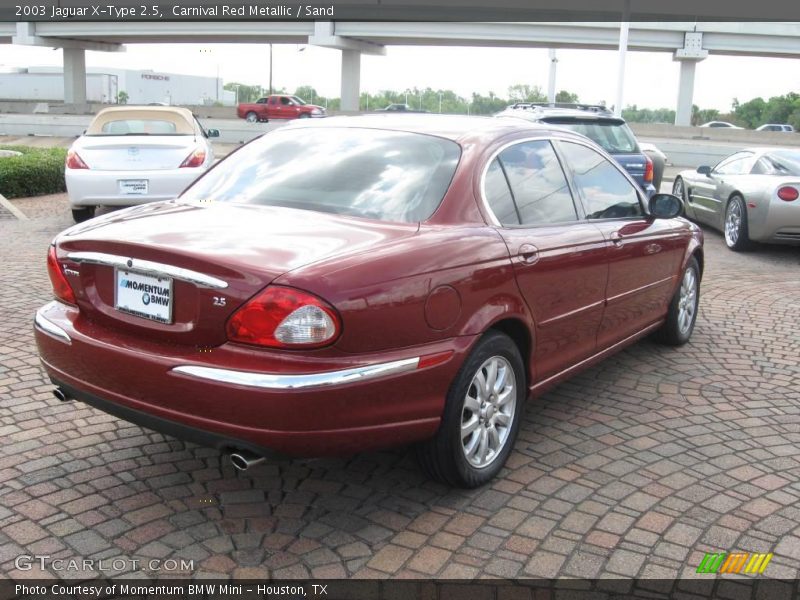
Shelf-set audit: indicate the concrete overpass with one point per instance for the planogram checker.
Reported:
(689, 42)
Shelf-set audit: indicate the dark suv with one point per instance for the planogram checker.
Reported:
(598, 124)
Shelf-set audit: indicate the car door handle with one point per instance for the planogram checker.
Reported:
(616, 238)
(528, 254)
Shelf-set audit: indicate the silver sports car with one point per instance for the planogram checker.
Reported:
(751, 196)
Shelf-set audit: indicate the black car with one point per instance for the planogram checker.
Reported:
(598, 124)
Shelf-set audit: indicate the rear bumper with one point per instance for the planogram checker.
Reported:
(339, 404)
(88, 187)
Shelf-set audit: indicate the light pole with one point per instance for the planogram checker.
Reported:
(270, 70)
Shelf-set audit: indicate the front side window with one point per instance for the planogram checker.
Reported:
(375, 174)
(736, 164)
(606, 193)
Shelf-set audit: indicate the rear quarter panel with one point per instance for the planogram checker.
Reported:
(441, 283)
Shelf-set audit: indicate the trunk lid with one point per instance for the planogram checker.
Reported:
(244, 247)
(135, 152)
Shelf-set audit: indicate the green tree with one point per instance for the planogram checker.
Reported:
(565, 96)
(246, 93)
(307, 93)
(522, 92)
(122, 97)
(700, 116)
(749, 113)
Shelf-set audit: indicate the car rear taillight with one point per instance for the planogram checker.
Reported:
(788, 193)
(648, 169)
(282, 317)
(61, 287)
(195, 159)
(74, 161)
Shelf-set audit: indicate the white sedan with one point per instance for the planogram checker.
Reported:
(133, 155)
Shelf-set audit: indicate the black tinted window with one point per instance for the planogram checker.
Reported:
(606, 192)
(498, 195)
(538, 184)
(385, 175)
(615, 137)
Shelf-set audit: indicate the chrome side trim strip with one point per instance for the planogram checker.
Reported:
(50, 328)
(295, 382)
(148, 266)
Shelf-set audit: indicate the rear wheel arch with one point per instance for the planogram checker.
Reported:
(699, 256)
(519, 332)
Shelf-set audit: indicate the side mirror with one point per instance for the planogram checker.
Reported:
(665, 206)
(212, 132)
(704, 170)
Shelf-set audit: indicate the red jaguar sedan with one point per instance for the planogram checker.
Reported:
(356, 283)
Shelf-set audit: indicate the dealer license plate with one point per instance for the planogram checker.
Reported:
(133, 187)
(146, 296)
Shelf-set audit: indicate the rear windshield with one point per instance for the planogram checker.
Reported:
(138, 127)
(376, 174)
(142, 121)
(614, 137)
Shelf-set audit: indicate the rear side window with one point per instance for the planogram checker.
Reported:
(375, 174)
(498, 195)
(606, 193)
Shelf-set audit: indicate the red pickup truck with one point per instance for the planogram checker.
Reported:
(278, 107)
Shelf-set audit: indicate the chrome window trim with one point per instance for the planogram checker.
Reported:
(148, 266)
(274, 381)
(558, 138)
(48, 327)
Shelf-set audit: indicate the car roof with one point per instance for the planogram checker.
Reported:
(453, 127)
(543, 113)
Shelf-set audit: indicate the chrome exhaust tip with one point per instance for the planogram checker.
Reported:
(61, 395)
(243, 460)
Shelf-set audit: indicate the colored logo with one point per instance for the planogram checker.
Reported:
(146, 298)
(734, 562)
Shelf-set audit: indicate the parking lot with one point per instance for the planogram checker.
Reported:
(635, 468)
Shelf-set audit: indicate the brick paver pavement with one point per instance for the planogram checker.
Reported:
(634, 468)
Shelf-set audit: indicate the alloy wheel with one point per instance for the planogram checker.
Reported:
(733, 222)
(687, 303)
(488, 412)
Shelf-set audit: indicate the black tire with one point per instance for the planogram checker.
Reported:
(251, 117)
(737, 237)
(676, 331)
(444, 457)
(303, 116)
(80, 215)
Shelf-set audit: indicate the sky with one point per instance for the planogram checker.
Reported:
(651, 78)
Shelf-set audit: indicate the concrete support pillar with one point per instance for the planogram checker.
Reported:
(74, 76)
(351, 80)
(683, 114)
(691, 53)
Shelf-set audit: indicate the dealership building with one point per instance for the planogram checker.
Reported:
(46, 84)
